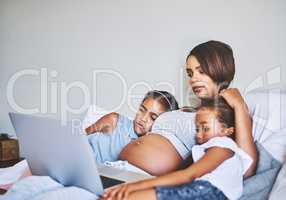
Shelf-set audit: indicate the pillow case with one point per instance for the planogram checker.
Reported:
(279, 188)
(258, 187)
(267, 108)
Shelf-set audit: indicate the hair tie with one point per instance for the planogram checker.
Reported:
(165, 97)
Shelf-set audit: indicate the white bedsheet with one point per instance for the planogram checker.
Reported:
(12, 174)
(45, 188)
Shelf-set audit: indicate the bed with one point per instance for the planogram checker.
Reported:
(267, 106)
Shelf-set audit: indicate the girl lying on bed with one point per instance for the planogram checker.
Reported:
(218, 168)
(111, 133)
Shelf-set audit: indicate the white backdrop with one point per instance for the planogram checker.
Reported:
(63, 43)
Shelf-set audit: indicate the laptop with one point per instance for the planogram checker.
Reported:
(63, 153)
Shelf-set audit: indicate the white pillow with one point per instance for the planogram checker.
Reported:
(268, 109)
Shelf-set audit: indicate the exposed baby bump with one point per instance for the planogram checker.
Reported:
(152, 153)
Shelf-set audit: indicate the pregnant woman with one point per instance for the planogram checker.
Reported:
(211, 69)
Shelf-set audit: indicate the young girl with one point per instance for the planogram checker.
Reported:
(111, 133)
(219, 164)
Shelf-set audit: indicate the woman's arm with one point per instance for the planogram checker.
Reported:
(105, 124)
(243, 126)
(210, 161)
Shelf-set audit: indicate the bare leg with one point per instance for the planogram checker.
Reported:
(149, 194)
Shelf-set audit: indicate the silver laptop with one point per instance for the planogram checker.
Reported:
(63, 153)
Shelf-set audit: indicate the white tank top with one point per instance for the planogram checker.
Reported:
(228, 177)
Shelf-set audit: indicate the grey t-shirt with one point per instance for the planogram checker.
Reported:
(179, 128)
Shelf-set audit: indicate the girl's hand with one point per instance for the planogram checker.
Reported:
(233, 97)
(120, 192)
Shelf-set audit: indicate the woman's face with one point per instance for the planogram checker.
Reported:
(202, 85)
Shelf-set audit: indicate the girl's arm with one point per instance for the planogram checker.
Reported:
(243, 126)
(210, 161)
(105, 124)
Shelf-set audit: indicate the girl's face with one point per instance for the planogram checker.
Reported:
(208, 126)
(148, 112)
(202, 85)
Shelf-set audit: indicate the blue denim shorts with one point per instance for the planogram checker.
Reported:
(198, 190)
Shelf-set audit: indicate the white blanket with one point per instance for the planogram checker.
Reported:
(45, 188)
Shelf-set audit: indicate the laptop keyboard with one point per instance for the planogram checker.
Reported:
(108, 182)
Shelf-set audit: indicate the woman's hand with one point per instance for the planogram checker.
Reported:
(233, 98)
(120, 192)
(243, 125)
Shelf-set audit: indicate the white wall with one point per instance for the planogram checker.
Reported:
(142, 40)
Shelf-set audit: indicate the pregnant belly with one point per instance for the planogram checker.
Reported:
(152, 153)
